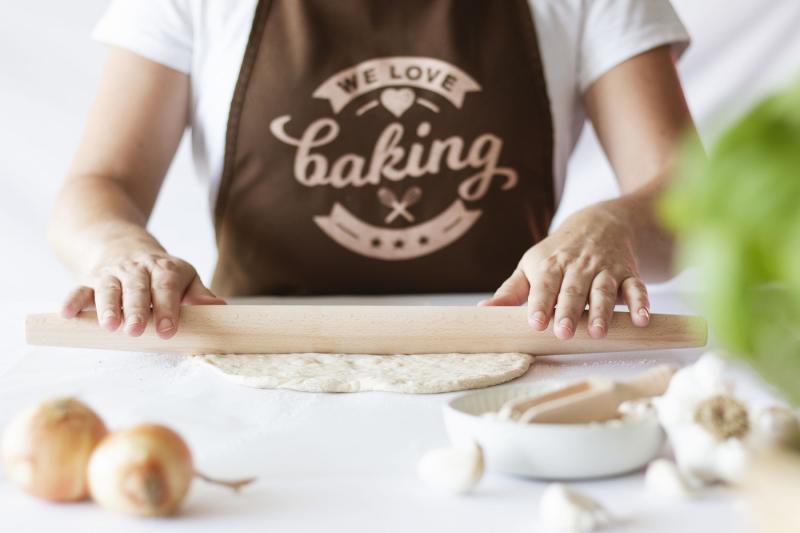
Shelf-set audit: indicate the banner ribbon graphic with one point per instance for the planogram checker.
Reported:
(397, 244)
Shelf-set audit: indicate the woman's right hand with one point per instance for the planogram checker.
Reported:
(124, 289)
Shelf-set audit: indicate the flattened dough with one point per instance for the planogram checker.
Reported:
(414, 374)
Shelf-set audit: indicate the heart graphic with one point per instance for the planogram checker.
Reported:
(397, 101)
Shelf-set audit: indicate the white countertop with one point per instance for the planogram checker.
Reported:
(325, 462)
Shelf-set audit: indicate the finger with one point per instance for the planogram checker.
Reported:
(199, 294)
(78, 300)
(135, 300)
(107, 301)
(634, 294)
(602, 298)
(545, 281)
(513, 291)
(167, 288)
(571, 302)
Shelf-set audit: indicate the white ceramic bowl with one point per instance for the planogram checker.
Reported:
(550, 451)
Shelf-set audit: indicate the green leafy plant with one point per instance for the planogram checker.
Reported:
(737, 216)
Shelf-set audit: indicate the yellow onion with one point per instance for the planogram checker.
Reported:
(145, 470)
(46, 449)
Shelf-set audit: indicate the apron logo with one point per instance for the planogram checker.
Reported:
(427, 73)
(392, 84)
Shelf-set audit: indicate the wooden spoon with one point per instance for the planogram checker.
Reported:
(590, 400)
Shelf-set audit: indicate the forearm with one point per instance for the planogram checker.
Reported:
(98, 223)
(94, 219)
(133, 130)
(640, 115)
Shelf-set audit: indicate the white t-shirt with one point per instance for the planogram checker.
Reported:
(579, 41)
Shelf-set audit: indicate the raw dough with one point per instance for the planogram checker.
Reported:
(314, 372)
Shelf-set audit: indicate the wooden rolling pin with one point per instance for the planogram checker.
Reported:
(364, 329)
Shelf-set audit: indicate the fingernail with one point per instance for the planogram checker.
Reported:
(166, 324)
(643, 312)
(133, 321)
(565, 323)
(539, 317)
(599, 323)
(108, 316)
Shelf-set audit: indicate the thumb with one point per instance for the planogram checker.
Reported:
(513, 291)
(198, 294)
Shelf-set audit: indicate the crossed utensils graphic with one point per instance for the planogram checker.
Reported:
(399, 207)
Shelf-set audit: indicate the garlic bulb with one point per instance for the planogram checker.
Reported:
(709, 427)
(714, 432)
(145, 470)
(46, 448)
(563, 508)
(663, 478)
(452, 470)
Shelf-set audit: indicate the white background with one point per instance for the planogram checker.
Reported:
(49, 69)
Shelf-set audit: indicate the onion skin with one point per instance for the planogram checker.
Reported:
(46, 449)
(145, 470)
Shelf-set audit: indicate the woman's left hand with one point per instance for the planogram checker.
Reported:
(588, 259)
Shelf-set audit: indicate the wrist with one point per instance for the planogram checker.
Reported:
(617, 216)
(634, 211)
(652, 243)
(119, 240)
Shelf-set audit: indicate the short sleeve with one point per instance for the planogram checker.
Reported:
(616, 30)
(159, 30)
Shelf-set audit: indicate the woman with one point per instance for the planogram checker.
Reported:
(363, 146)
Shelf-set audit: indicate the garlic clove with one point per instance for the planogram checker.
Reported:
(452, 470)
(709, 371)
(732, 458)
(704, 460)
(694, 449)
(663, 478)
(775, 426)
(45, 449)
(562, 508)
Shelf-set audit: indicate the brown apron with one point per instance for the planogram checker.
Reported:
(384, 147)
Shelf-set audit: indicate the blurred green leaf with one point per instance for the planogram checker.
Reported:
(737, 217)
